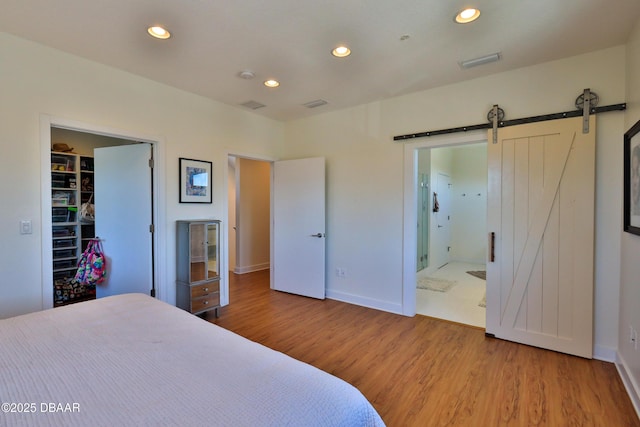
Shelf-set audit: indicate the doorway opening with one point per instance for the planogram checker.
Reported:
(449, 253)
(78, 185)
(295, 208)
(249, 215)
(452, 186)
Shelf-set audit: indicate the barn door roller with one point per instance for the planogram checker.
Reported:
(586, 104)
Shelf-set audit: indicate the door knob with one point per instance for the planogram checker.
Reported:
(319, 235)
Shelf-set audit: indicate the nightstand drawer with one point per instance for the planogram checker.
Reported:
(205, 303)
(204, 289)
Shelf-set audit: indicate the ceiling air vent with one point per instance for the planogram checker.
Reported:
(254, 105)
(316, 103)
(481, 60)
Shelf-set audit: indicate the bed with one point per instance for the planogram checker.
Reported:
(132, 360)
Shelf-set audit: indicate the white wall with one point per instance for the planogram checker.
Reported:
(424, 161)
(467, 167)
(231, 219)
(38, 80)
(364, 200)
(469, 204)
(253, 212)
(364, 165)
(628, 356)
(441, 163)
(84, 143)
(365, 171)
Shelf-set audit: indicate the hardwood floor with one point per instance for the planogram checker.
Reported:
(427, 372)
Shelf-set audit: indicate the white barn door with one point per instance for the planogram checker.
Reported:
(541, 209)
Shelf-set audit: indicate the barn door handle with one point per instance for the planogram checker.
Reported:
(492, 246)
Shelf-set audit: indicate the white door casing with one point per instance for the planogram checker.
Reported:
(541, 188)
(123, 217)
(299, 227)
(410, 206)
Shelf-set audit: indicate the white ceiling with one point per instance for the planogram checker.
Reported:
(291, 41)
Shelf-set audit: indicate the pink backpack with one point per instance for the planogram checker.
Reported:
(92, 265)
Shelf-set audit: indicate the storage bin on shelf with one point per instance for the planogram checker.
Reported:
(63, 231)
(63, 253)
(62, 163)
(63, 264)
(60, 214)
(63, 243)
(63, 197)
(66, 290)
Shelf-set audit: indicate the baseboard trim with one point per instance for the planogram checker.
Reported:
(606, 354)
(363, 301)
(469, 261)
(629, 383)
(252, 268)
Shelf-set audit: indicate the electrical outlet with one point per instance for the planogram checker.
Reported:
(26, 227)
(631, 335)
(341, 272)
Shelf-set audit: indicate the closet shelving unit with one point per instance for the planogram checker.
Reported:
(69, 171)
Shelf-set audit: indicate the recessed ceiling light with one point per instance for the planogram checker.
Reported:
(158, 32)
(467, 15)
(341, 51)
(272, 83)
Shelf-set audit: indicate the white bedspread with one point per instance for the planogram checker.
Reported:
(131, 360)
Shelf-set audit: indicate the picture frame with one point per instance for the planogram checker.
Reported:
(632, 180)
(196, 181)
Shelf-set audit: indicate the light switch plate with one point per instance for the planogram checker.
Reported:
(25, 227)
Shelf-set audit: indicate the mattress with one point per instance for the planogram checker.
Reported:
(132, 360)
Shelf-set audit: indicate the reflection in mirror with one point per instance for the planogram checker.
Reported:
(212, 249)
(197, 247)
(198, 271)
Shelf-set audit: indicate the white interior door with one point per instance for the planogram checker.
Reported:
(123, 217)
(299, 227)
(442, 229)
(541, 208)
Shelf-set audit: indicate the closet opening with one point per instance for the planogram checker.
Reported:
(97, 187)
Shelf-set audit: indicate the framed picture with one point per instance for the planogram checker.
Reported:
(632, 180)
(196, 183)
